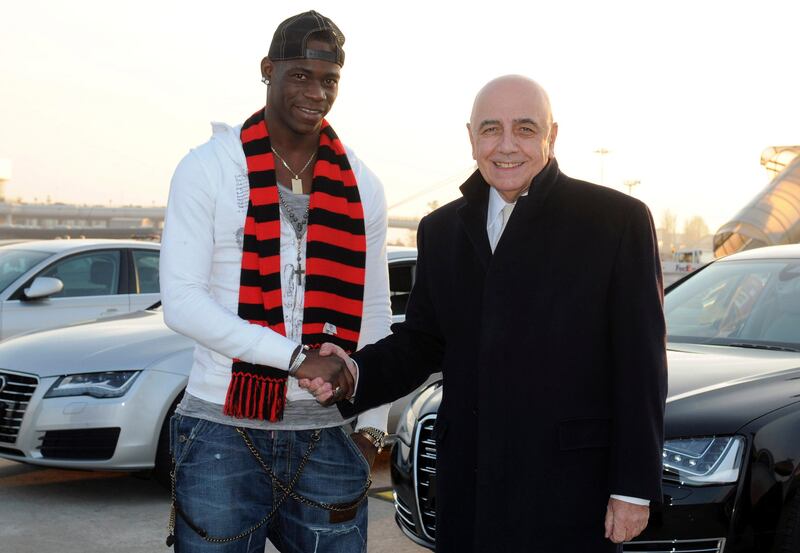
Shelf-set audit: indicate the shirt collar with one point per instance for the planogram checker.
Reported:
(496, 204)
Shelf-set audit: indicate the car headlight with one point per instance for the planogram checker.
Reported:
(405, 425)
(99, 385)
(701, 461)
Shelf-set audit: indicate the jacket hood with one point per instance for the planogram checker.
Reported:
(134, 341)
(226, 139)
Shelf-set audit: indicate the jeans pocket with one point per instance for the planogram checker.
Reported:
(174, 421)
(355, 449)
(183, 431)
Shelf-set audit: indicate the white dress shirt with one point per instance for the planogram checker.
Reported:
(497, 216)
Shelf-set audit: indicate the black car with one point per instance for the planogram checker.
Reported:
(731, 476)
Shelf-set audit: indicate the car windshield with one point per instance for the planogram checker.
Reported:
(752, 303)
(14, 263)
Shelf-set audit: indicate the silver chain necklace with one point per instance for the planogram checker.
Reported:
(299, 229)
(298, 225)
(297, 182)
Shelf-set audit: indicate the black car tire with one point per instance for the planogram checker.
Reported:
(787, 537)
(163, 461)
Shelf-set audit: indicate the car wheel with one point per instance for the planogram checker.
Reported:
(787, 537)
(163, 463)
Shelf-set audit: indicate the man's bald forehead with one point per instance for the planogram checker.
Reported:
(512, 86)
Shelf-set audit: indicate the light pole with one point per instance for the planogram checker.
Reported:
(5, 176)
(602, 152)
(630, 184)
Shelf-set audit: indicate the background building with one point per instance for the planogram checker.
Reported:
(773, 216)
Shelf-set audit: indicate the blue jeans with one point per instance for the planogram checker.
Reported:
(222, 488)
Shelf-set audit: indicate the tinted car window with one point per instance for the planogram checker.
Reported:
(15, 263)
(401, 279)
(738, 302)
(89, 274)
(146, 263)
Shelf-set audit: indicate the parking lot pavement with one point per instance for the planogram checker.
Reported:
(59, 511)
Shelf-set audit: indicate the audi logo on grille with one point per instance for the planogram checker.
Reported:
(2, 383)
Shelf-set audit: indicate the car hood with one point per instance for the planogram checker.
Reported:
(695, 369)
(133, 341)
(719, 389)
(712, 389)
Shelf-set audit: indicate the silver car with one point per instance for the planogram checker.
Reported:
(99, 395)
(53, 283)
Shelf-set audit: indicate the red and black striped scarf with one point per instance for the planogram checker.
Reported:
(335, 258)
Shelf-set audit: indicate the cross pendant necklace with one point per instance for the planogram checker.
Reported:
(297, 182)
(299, 272)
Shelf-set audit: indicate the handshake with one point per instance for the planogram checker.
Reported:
(328, 374)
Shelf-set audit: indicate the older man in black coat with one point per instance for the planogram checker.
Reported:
(539, 297)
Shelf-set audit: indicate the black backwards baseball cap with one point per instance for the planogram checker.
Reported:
(291, 36)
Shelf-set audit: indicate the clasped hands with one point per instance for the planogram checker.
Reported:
(328, 374)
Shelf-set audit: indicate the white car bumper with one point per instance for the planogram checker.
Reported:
(84, 432)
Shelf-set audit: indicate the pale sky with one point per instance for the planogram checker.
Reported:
(101, 99)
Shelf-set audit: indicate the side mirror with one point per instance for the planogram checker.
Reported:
(41, 287)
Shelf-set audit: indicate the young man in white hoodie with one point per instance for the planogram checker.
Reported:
(275, 243)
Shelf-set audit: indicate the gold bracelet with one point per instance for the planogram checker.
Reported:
(377, 437)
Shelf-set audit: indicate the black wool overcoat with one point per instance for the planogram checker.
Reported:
(553, 356)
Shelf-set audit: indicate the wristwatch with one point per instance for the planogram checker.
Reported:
(374, 435)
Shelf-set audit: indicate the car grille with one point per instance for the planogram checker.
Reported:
(424, 483)
(404, 514)
(716, 545)
(15, 394)
(90, 444)
(425, 475)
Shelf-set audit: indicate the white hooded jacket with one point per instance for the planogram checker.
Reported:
(201, 255)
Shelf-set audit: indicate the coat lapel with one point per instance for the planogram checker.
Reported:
(473, 216)
(473, 213)
(528, 209)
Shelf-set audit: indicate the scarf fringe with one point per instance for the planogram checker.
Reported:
(249, 394)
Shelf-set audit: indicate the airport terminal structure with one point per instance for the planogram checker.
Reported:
(773, 216)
